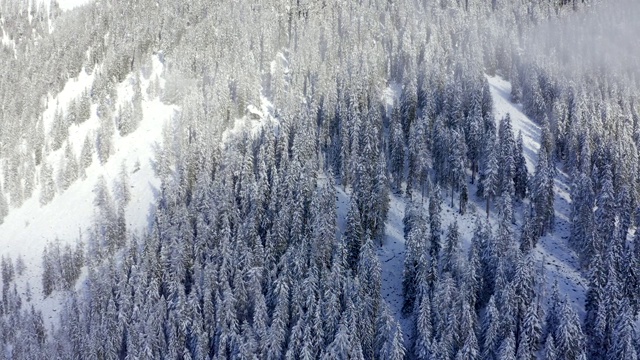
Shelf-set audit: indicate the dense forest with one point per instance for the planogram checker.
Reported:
(244, 257)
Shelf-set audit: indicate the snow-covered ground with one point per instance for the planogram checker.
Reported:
(27, 230)
(561, 263)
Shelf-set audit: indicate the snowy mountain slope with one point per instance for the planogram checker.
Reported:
(561, 263)
(26, 230)
(392, 251)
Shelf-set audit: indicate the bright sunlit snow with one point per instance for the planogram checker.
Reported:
(29, 228)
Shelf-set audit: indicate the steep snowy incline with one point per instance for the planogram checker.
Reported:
(26, 230)
(392, 250)
(552, 250)
(561, 263)
(391, 255)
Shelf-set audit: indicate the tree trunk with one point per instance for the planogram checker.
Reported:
(474, 166)
(452, 196)
(488, 198)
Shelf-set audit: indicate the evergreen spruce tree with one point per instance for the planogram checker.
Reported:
(415, 241)
(624, 336)
(435, 221)
(86, 156)
(516, 91)
(490, 179)
(605, 214)
(70, 168)
(4, 206)
(550, 351)
(47, 185)
(520, 176)
(353, 235)
(506, 156)
(474, 137)
(490, 331)
(419, 155)
(59, 130)
(397, 154)
(423, 330)
(84, 107)
(456, 163)
(449, 259)
(507, 348)
(530, 333)
(568, 334)
(582, 227)
(542, 193)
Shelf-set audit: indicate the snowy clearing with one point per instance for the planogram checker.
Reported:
(27, 230)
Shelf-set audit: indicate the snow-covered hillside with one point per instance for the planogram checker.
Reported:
(552, 251)
(271, 180)
(67, 217)
(27, 229)
(561, 263)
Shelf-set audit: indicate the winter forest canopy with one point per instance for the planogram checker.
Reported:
(320, 179)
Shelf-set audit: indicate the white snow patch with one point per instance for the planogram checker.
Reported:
(26, 230)
(8, 42)
(502, 105)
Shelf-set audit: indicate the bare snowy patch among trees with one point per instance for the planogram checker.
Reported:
(332, 180)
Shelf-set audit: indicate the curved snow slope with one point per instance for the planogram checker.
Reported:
(26, 230)
(561, 263)
(552, 250)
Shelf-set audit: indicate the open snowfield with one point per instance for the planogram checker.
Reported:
(27, 230)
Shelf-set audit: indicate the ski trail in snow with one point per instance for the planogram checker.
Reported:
(561, 263)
